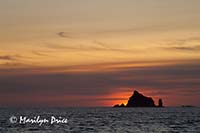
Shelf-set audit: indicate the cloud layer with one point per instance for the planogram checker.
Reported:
(180, 78)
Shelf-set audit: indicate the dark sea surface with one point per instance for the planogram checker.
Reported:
(104, 120)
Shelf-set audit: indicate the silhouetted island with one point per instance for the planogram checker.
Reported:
(139, 100)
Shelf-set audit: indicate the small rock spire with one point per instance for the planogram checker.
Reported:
(160, 103)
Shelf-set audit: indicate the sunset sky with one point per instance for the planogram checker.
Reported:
(96, 52)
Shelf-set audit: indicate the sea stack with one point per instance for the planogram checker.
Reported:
(160, 103)
(139, 100)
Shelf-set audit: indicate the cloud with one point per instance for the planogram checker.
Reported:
(95, 46)
(137, 30)
(64, 35)
(65, 47)
(102, 45)
(41, 53)
(7, 57)
(98, 45)
(186, 41)
(186, 45)
(186, 48)
(105, 47)
(182, 76)
(178, 79)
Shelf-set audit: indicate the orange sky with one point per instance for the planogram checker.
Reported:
(79, 53)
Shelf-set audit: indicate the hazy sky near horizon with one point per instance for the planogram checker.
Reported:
(73, 52)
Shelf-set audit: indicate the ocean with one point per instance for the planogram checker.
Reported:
(103, 120)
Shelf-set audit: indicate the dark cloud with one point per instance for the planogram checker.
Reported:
(7, 57)
(111, 31)
(191, 44)
(181, 79)
(184, 76)
(186, 48)
(64, 35)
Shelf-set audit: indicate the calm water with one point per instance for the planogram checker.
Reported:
(105, 120)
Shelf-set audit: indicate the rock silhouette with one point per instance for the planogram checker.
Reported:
(139, 100)
(160, 103)
(117, 105)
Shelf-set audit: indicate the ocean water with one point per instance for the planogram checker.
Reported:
(104, 120)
